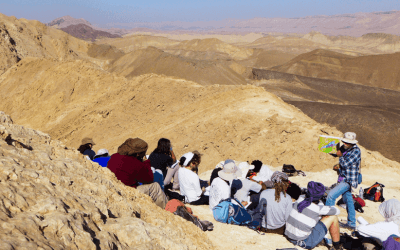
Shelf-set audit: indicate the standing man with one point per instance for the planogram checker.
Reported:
(349, 169)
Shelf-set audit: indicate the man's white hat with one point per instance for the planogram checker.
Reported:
(349, 137)
(245, 167)
(102, 152)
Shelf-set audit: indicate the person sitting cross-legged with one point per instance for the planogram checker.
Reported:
(310, 220)
(221, 186)
(278, 204)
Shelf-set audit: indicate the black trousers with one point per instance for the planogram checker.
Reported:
(204, 200)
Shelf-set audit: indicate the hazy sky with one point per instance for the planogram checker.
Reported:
(101, 12)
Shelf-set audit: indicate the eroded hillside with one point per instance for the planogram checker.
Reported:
(53, 198)
(372, 70)
(73, 99)
(21, 38)
(153, 60)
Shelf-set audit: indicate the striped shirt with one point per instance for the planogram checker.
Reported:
(300, 225)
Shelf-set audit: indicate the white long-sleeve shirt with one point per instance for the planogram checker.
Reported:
(264, 175)
(189, 184)
(380, 230)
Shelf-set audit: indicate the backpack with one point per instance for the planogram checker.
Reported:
(231, 213)
(375, 192)
(290, 170)
(358, 204)
(178, 208)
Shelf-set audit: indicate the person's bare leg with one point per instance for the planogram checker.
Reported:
(332, 223)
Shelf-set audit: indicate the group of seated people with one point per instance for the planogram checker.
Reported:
(285, 208)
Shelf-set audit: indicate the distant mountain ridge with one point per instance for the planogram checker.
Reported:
(65, 21)
(356, 24)
(86, 32)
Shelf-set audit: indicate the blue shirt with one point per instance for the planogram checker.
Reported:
(102, 161)
(350, 165)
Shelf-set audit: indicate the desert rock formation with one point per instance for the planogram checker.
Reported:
(73, 99)
(65, 21)
(153, 60)
(372, 113)
(130, 43)
(53, 198)
(21, 38)
(373, 70)
(87, 33)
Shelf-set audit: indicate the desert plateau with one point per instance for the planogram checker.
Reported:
(243, 89)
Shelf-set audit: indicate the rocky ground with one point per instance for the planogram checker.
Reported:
(53, 198)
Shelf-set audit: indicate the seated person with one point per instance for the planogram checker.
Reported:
(86, 148)
(279, 204)
(242, 187)
(163, 156)
(189, 181)
(102, 157)
(218, 167)
(220, 187)
(173, 171)
(131, 168)
(264, 173)
(305, 226)
(382, 231)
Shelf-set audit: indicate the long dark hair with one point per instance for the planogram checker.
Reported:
(163, 147)
(82, 148)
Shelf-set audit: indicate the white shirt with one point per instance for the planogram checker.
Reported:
(189, 184)
(219, 190)
(264, 175)
(381, 230)
(247, 185)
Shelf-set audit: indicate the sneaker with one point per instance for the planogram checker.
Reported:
(339, 248)
(328, 242)
(347, 226)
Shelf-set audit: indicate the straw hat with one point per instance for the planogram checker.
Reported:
(87, 140)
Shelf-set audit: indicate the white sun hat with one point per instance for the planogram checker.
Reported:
(230, 171)
(349, 137)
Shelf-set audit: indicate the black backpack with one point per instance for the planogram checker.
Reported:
(291, 171)
(375, 192)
